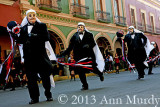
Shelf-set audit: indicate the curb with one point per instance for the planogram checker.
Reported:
(61, 78)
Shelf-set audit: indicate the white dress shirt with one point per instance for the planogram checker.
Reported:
(81, 36)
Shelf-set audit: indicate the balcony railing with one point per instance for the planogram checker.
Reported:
(148, 28)
(103, 16)
(119, 20)
(80, 11)
(157, 30)
(141, 27)
(50, 5)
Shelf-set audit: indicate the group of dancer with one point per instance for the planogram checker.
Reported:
(33, 38)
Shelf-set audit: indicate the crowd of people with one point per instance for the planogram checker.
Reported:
(16, 78)
(114, 63)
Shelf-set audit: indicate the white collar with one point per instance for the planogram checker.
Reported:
(81, 36)
(132, 36)
(30, 29)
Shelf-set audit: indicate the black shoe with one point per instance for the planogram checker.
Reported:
(33, 101)
(150, 73)
(84, 88)
(50, 99)
(101, 77)
(12, 89)
(139, 77)
(142, 76)
(4, 88)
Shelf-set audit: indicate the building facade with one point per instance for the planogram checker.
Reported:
(101, 17)
(144, 15)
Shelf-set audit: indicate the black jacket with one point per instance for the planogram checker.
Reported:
(81, 48)
(34, 50)
(136, 50)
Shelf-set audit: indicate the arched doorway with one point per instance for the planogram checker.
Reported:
(56, 42)
(104, 46)
(118, 48)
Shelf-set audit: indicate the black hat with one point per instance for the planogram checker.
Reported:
(13, 27)
(120, 33)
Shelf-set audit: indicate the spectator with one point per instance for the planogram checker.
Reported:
(117, 63)
(71, 68)
(110, 61)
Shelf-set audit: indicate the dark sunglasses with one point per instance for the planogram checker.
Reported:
(80, 27)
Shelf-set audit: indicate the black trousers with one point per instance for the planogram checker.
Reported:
(137, 57)
(33, 85)
(150, 67)
(140, 68)
(81, 72)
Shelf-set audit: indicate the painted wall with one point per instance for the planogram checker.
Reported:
(65, 30)
(5, 44)
(9, 13)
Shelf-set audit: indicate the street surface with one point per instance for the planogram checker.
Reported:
(117, 90)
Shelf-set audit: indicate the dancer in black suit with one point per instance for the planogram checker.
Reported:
(136, 42)
(82, 44)
(33, 37)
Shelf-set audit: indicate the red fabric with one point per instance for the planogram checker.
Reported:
(117, 60)
(73, 63)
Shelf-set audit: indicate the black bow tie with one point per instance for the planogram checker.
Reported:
(81, 33)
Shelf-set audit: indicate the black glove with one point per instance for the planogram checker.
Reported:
(53, 61)
(32, 35)
(86, 46)
(94, 64)
(15, 36)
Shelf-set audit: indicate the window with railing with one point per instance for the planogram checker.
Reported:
(50, 5)
(140, 26)
(147, 28)
(103, 16)
(80, 11)
(157, 30)
(119, 20)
